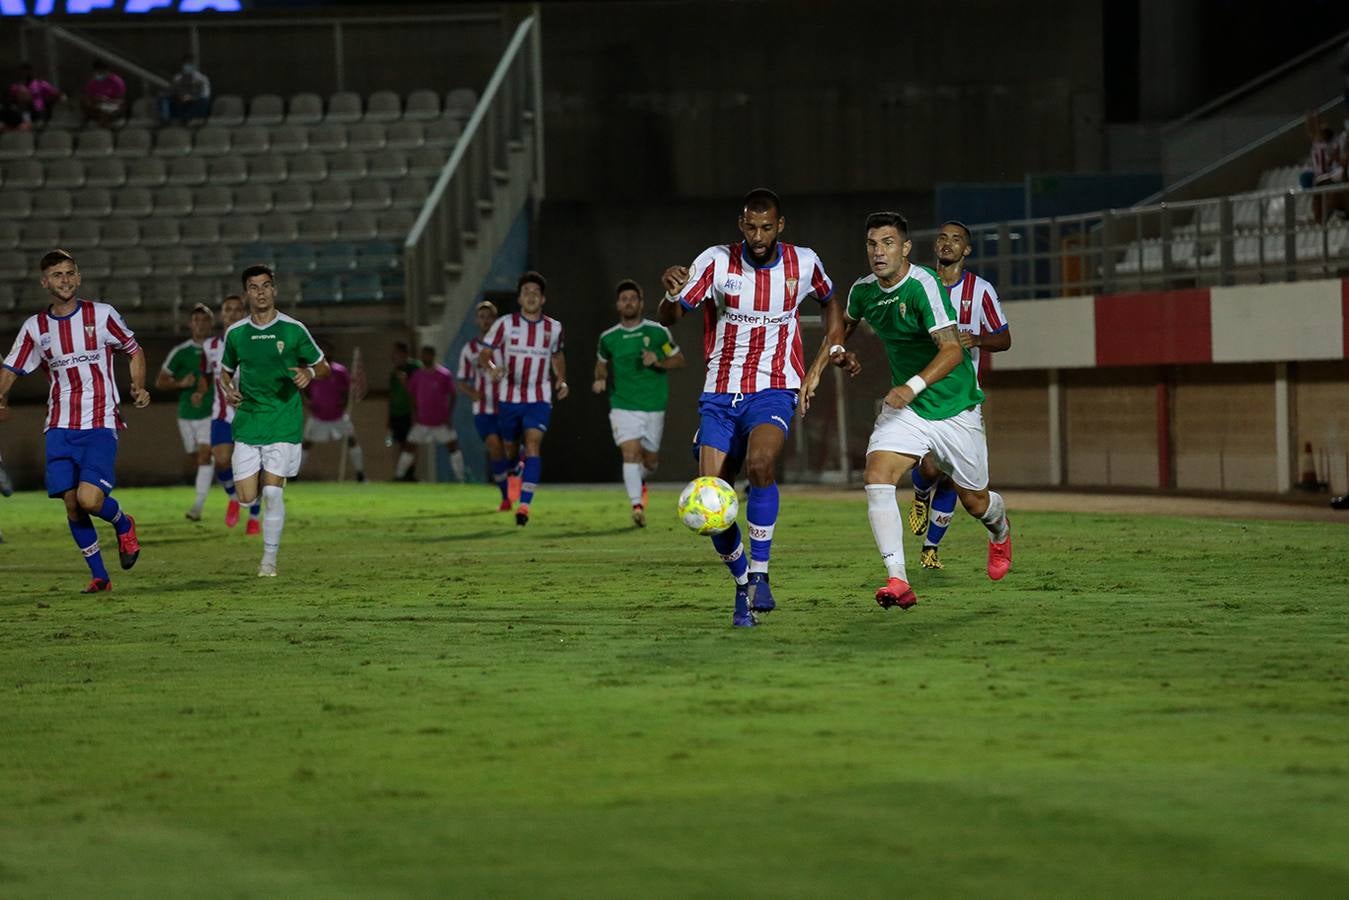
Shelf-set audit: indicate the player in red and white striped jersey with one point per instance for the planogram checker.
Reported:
(477, 384)
(530, 344)
(751, 294)
(74, 340)
(983, 327)
(222, 415)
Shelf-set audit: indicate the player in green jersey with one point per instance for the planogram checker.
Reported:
(180, 371)
(268, 359)
(932, 406)
(640, 352)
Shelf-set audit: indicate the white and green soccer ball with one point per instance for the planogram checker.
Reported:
(708, 505)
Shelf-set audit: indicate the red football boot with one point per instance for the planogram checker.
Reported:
(98, 586)
(128, 548)
(232, 513)
(896, 593)
(1000, 556)
(254, 526)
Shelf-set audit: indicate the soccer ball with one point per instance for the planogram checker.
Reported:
(708, 505)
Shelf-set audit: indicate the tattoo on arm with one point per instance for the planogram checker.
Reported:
(948, 335)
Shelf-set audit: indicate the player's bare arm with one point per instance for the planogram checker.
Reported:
(485, 361)
(652, 360)
(601, 381)
(468, 390)
(7, 379)
(164, 381)
(140, 397)
(303, 375)
(230, 390)
(949, 354)
(560, 375)
(838, 329)
(670, 310)
(993, 343)
(200, 391)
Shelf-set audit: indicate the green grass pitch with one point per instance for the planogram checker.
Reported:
(430, 701)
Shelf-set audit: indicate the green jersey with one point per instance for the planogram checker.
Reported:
(185, 359)
(904, 317)
(400, 401)
(260, 357)
(636, 386)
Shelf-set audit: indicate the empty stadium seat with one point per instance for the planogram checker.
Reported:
(65, 173)
(296, 258)
(143, 113)
(250, 140)
(173, 142)
(459, 103)
(23, 173)
(92, 203)
(318, 227)
(227, 110)
(227, 170)
(54, 144)
(163, 294)
(335, 257)
(328, 138)
(212, 140)
(16, 144)
(278, 228)
(173, 202)
(371, 195)
(133, 143)
(253, 199)
(52, 203)
(254, 252)
(132, 262)
(321, 289)
(107, 172)
(124, 294)
(411, 193)
(442, 133)
(16, 204)
(79, 234)
(13, 265)
(40, 235)
(95, 263)
(362, 287)
(215, 260)
(149, 172)
(293, 198)
(405, 136)
(344, 108)
(422, 105)
(188, 171)
(358, 226)
(384, 106)
(160, 232)
(305, 109)
(388, 164)
(348, 165)
(427, 161)
(308, 167)
(366, 137)
(239, 228)
(270, 168)
(132, 202)
(333, 196)
(174, 262)
(266, 109)
(95, 143)
(289, 139)
(394, 224)
(378, 255)
(212, 200)
(9, 234)
(200, 231)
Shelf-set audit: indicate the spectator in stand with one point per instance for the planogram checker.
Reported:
(1327, 167)
(34, 96)
(188, 96)
(104, 96)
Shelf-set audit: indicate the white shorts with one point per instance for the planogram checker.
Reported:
(321, 431)
(634, 425)
(282, 460)
(958, 444)
(195, 433)
(432, 434)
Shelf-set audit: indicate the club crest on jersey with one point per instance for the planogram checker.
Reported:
(646, 340)
(966, 307)
(89, 331)
(791, 285)
(280, 346)
(45, 339)
(902, 311)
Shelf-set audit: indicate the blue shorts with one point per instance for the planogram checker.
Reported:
(486, 424)
(514, 419)
(80, 455)
(221, 432)
(727, 419)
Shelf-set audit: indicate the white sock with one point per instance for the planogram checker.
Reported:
(357, 458)
(883, 513)
(273, 520)
(995, 518)
(205, 475)
(632, 480)
(457, 464)
(405, 460)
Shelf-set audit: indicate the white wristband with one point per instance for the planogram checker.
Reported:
(916, 384)
(669, 298)
(837, 348)
(311, 372)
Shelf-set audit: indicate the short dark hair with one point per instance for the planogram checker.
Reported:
(228, 297)
(401, 345)
(427, 348)
(969, 238)
(628, 284)
(55, 258)
(532, 277)
(761, 200)
(255, 270)
(893, 219)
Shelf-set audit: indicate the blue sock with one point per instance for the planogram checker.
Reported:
(226, 478)
(761, 514)
(921, 486)
(256, 509)
(111, 512)
(943, 506)
(530, 479)
(86, 538)
(732, 552)
(500, 468)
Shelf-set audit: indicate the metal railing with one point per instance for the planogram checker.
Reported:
(511, 105)
(1270, 235)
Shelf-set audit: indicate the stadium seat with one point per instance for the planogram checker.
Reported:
(278, 228)
(266, 109)
(143, 113)
(318, 227)
(423, 105)
(211, 140)
(188, 171)
(106, 173)
(333, 196)
(328, 138)
(442, 133)
(215, 261)
(411, 193)
(289, 139)
(65, 173)
(9, 234)
(54, 144)
(132, 262)
(427, 161)
(358, 226)
(95, 263)
(227, 110)
(254, 252)
(16, 204)
(133, 143)
(173, 202)
(132, 203)
(92, 203)
(362, 287)
(16, 145)
(253, 199)
(293, 198)
(208, 290)
(173, 142)
(377, 255)
(79, 234)
(40, 235)
(388, 164)
(296, 259)
(124, 294)
(149, 172)
(239, 228)
(9, 296)
(308, 167)
(250, 140)
(384, 106)
(13, 265)
(270, 168)
(372, 195)
(163, 293)
(172, 262)
(212, 200)
(459, 103)
(24, 173)
(52, 203)
(366, 137)
(95, 143)
(305, 109)
(67, 116)
(395, 224)
(405, 136)
(160, 233)
(321, 289)
(347, 165)
(335, 258)
(344, 108)
(227, 170)
(200, 231)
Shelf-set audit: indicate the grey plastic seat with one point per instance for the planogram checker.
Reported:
(143, 113)
(118, 233)
(308, 167)
(133, 143)
(24, 173)
(16, 204)
(227, 170)
(305, 109)
(54, 144)
(17, 145)
(404, 136)
(13, 265)
(132, 262)
(9, 296)
(335, 257)
(200, 231)
(95, 263)
(388, 164)
(187, 170)
(293, 197)
(327, 138)
(215, 261)
(173, 142)
(227, 110)
(318, 227)
(9, 234)
(250, 140)
(383, 106)
(253, 199)
(162, 294)
(278, 228)
(366, 137)
(173, 201)
(65, 173)
(321, 289)
(426, 161)
(348, 165)
(269, 168)
(52, 203)
(443, 133)
(149, 172)
(211, 140)
(174, 262)
(239, 228)
(160, 232)
(95, 143)
(344, 108)
(333, 196)
(295, 258)
(92, 203)
(79, 234)
(67, 116)
(289, 139)
(358, 226)
(123, 293)
(212, 200)
(423, 105)
(459, 103)
(394, 224)
(39, 235)
(266, 109)
(108, 173)
(133, 202)
(378, 256)
(371, 195)
(362, 287)
(411, 192)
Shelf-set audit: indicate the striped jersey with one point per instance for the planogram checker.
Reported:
(977, 309)
(476, 377)
(751, 336)
(528, 349)
(211, 353)
(77, 352)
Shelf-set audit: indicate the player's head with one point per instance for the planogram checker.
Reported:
(953, 242)
(628, 299)
(485, 313)
(60, 274)
(428, 355)
(530, 292)
(260, 287)
(399, 354)
(202, 322)
(231, 310)
(100, 69)
(888, 244)
(761, 222)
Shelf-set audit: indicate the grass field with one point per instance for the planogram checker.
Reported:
(429, 701)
